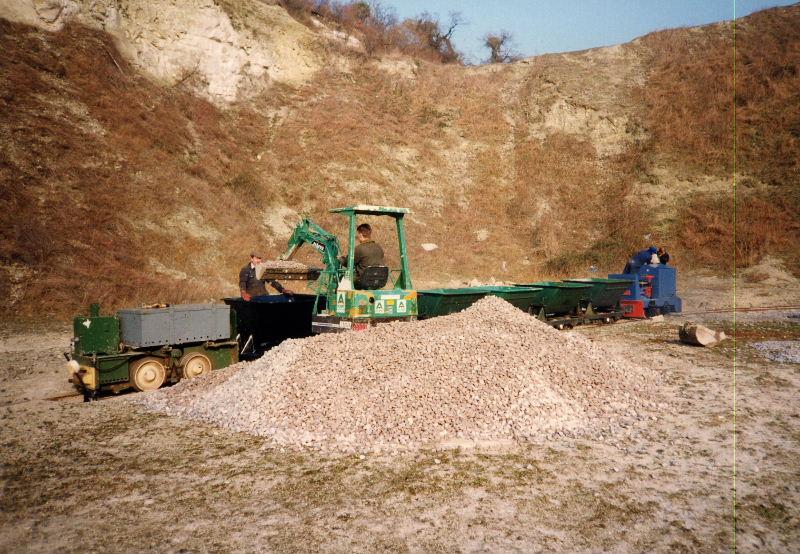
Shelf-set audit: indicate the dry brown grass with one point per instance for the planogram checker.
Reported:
(691, 108)
(762, 225)
(689, 97)
(379, 30)
(107, 177)
(82, 188)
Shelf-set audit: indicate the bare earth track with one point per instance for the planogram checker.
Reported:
(108, 476)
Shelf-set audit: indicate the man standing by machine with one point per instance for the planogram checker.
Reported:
(250, 285)
(368, 253)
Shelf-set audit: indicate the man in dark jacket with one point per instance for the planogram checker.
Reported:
(643, 257)
(249, 285)
(368, 253)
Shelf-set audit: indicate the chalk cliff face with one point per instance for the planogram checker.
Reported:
(225, 51)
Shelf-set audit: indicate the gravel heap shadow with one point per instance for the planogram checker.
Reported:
(489, 373)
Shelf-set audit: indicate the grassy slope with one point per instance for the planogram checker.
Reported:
(117, 189)
(689, 109)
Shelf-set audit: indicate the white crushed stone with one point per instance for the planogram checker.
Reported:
(784, 351)
(489, 374)
(283, 265)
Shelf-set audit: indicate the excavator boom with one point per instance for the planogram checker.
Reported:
(308, 232)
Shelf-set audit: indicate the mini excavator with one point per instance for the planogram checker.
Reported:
(388, 294)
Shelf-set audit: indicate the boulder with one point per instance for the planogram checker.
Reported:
(698, 335)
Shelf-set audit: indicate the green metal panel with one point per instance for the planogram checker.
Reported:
(114, 369)
(376, 304)
(604, 293)
(560, 298)
(437, 302)
(521, 297)
(362, 209)
(221, 354)
(404, 281)
(111, 369)
(96, 334)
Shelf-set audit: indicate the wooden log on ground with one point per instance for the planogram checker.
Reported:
(698, 335)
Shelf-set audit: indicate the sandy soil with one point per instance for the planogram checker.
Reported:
(106, 476)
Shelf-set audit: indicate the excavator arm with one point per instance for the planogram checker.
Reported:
(308, 232)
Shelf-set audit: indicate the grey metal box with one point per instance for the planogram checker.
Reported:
(181, 324)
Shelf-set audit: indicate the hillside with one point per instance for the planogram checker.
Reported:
(147, 147)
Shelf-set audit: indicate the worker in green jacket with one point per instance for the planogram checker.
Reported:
(368, 253)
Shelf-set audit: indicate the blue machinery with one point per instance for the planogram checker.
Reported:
(653, 291)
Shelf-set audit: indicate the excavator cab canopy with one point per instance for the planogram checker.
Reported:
(345, 305)
(363, 209)
(403, 280)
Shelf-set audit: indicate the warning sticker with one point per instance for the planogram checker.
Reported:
(401, 305)
(379, 307)
(340, 305)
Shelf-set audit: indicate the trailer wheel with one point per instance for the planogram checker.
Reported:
(147, 374)
(195, 365)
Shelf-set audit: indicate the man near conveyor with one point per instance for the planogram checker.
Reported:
(250, 286)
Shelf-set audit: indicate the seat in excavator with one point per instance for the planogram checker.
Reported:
(373, 277)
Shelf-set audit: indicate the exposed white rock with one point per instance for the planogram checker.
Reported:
(224, 50)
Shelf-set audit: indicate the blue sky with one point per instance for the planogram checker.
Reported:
(544, 26)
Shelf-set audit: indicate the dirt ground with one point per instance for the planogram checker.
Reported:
(106, 476)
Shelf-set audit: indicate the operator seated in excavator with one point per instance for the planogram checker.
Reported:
(370, 271)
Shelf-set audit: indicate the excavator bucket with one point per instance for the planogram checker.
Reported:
(286, 270)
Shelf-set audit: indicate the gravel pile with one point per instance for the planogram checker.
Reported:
(283, 265)
(783, 351)
(490, 373)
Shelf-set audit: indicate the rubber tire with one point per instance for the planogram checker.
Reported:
(195, 364)
(147, 374)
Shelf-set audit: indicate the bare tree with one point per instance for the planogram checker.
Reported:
(499, 45)
(437, 37)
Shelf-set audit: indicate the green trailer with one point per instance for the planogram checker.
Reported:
(437, 302)
(148, 347)
(523, 298)
(604, 294)
(558, 298)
